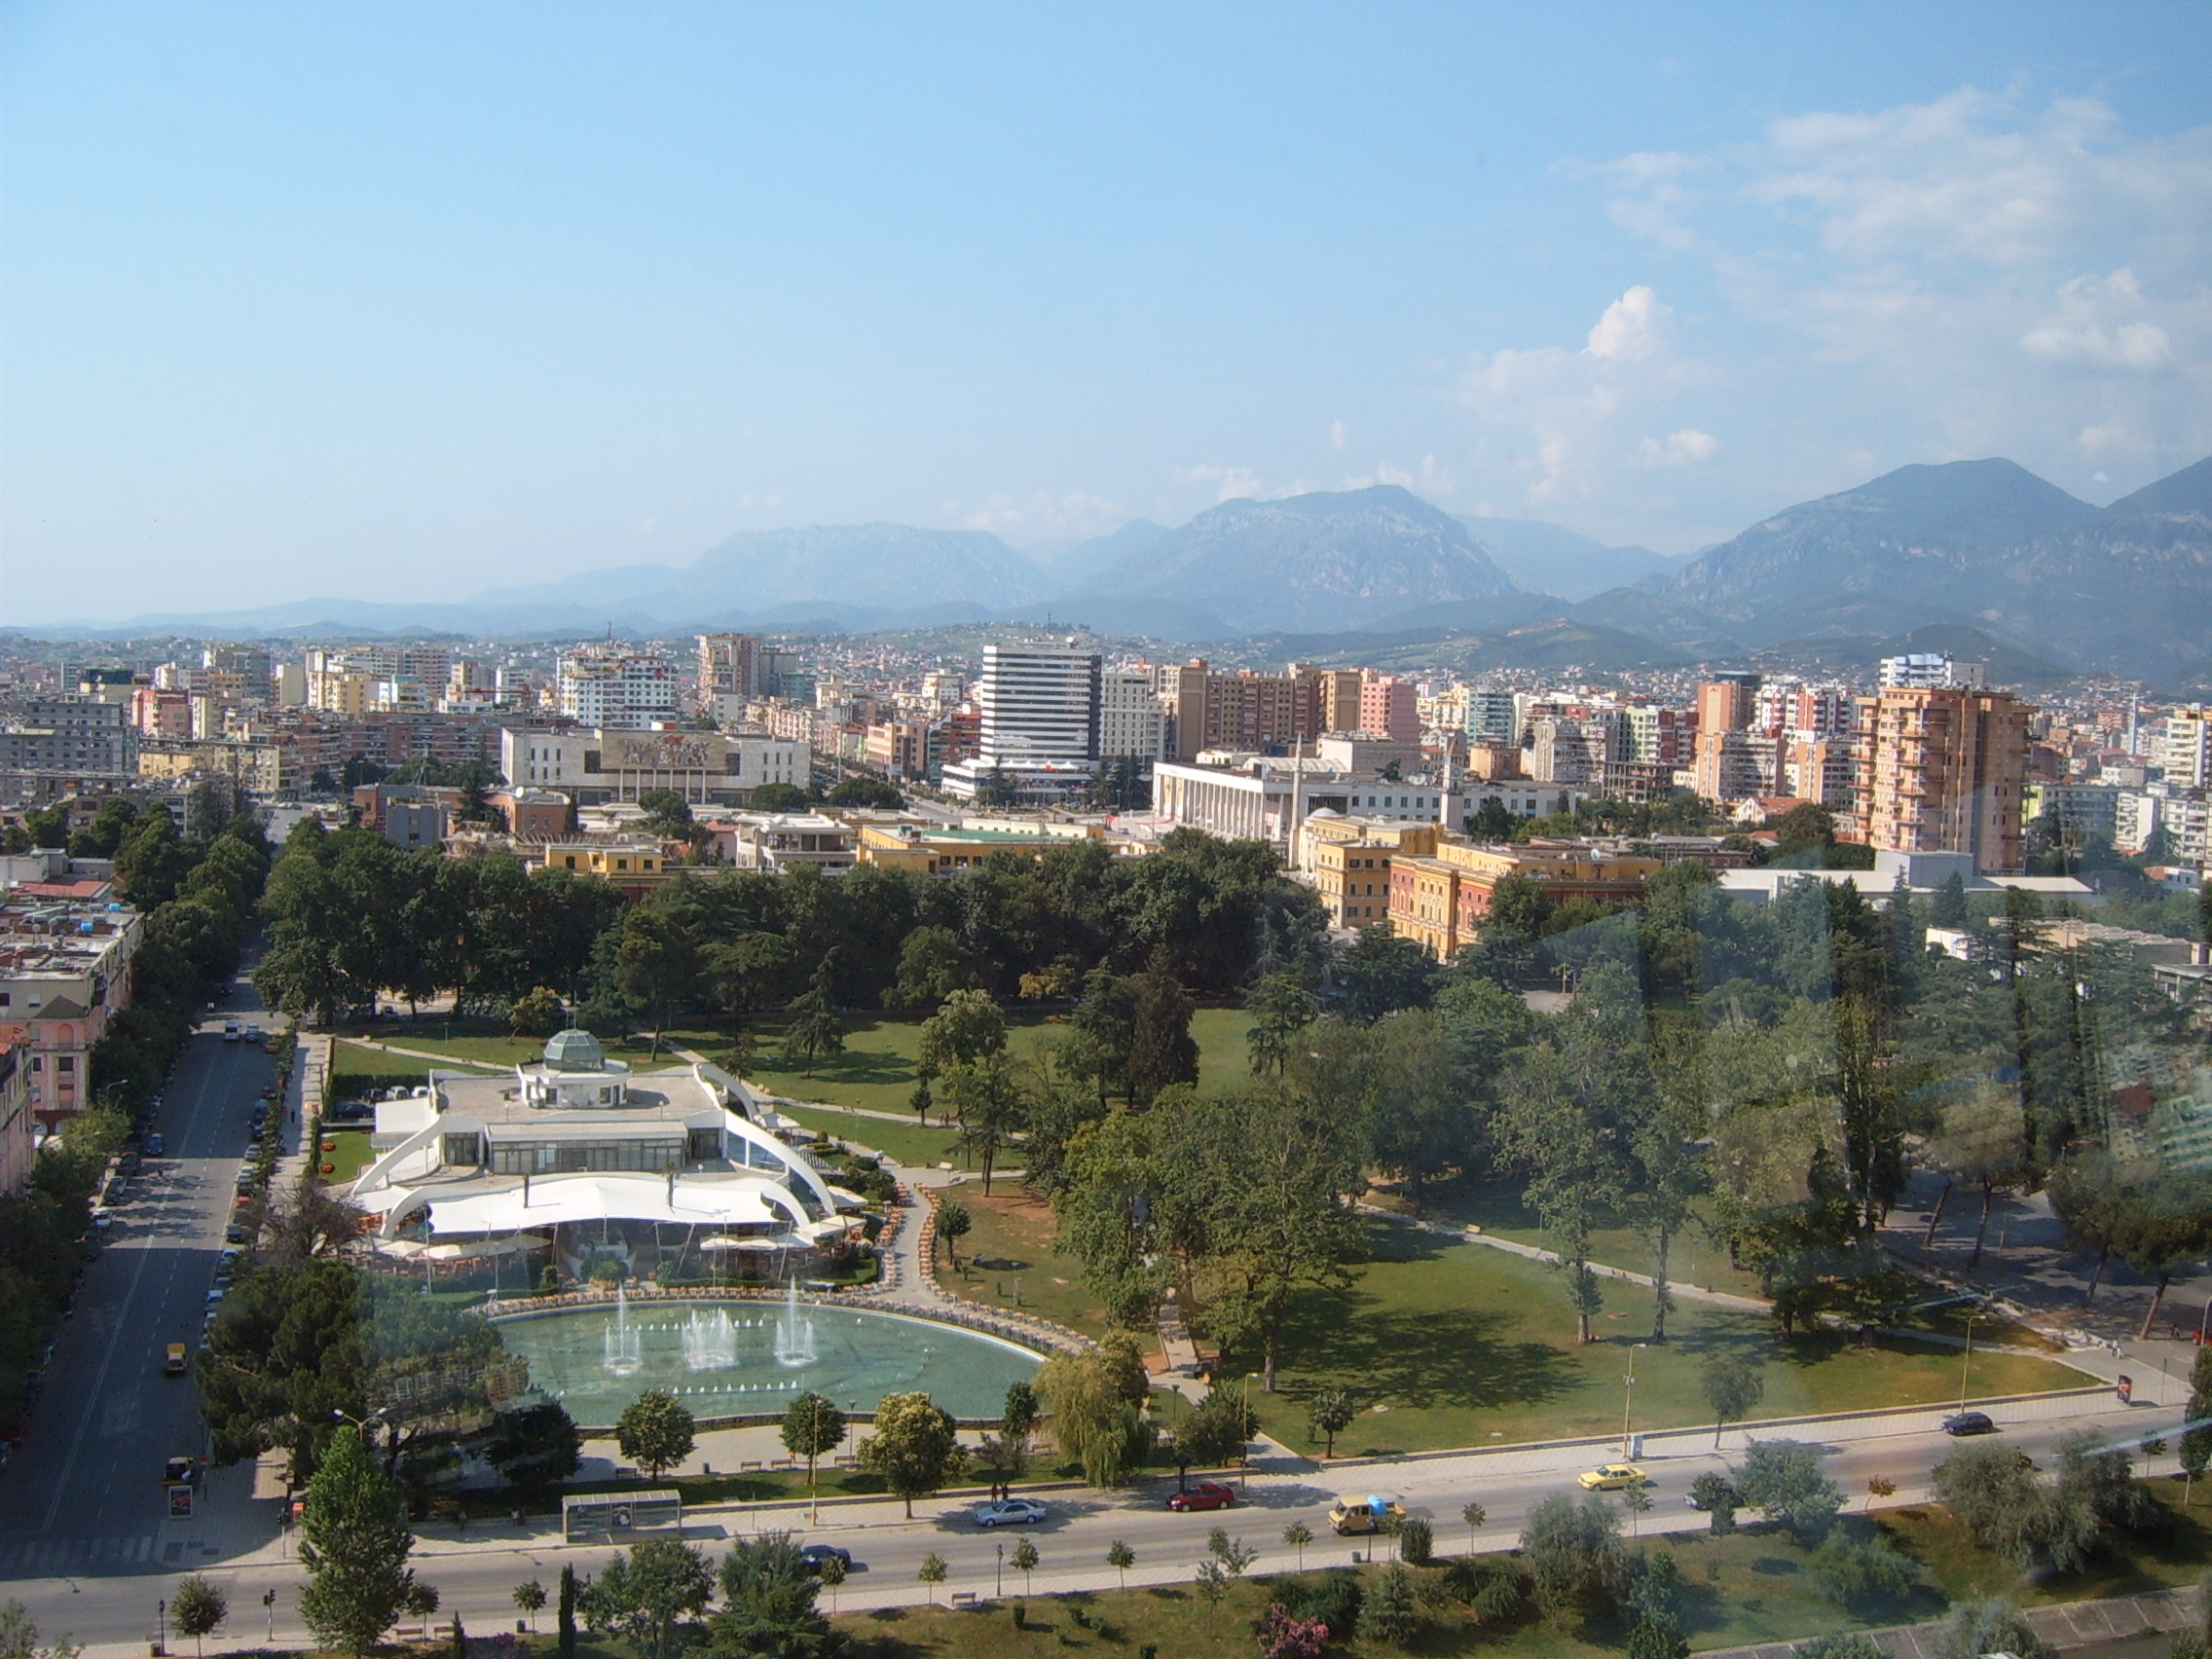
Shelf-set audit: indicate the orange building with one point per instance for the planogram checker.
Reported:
(1943, 769)
(1442, 901)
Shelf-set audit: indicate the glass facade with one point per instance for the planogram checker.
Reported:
(564, 1156)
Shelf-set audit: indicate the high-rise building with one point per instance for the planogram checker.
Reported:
(1130, 719)
(617, 691)
(1039, 705)
(1388, 707)
(1942, 768)
(2184, 747)
(1727, 706)
(1922, 669)
(1489, 717)
(728, 667)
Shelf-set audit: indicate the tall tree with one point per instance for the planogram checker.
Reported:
(915, 1447)
(646, 1594)
(1161, 1050)
(353, 1542)
(812, 1426)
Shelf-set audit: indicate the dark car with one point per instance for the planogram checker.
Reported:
(1968, 1423)
(238, 1232)
(812, 1555)
(1207, 1495)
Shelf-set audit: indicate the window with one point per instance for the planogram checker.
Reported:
(66, 1064)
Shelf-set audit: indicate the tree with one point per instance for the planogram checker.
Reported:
(198, 1610)
(1120, 1558)
(1281, 1009)
(2169, 1227)
(1391, 1613)
(1733, 1384)
(1853, 1573)
(535, 1013)
(932, 1573)
(953, 1220)
(647, 1593)
(1024, 1562)
(831, 1571)
(1573, 1551)
(536, 1445)
(530, 1599)
(1381, 972)
(1213, 1434)
(1297, 1536)
(1782, 1480)
(1477, 1517)
(1162, 1049)
(1657, 1636)
(1948, 909)
(656, 965)
(1017, 1421)
(1284, 1635)
(915, 1447)
(654, 1431)
(566, 1625)
(813, 1426)
(1417, 1542)
(19, 1636)
(1994, 1626)
(1851, 1645)
(968, 1028)
(355, 1543)
(1095, 1419)
(769, 1602)
(1331, 1412)
(1718, 1499)
(816, 1030)
(985, 1097)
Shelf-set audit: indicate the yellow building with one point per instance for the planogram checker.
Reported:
(635, 867)
(1351, 860)
(1441, 901)
(930, 849)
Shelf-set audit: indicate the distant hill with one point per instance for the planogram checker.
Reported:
(1858, 654)
(1324, 560)
(1548, 558)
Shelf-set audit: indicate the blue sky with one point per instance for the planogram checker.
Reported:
(384, 301)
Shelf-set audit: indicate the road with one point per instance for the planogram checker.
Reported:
(84, 1493)
(476, 1570)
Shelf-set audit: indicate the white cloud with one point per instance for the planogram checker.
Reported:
(1680, 449)
(1339, 436)
(1630, 329)
(1430, 479)
(1550, 415)
(751, 499)
(1041, 517)
(1230, 483)
(1969, 276)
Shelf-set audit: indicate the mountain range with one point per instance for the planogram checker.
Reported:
(1984, 546)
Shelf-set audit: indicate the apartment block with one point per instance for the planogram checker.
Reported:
(65, 954)
(1943, 769)
(618, 690)
(728, 666)
(2184, 747)
(1132, 723)
(70, 733)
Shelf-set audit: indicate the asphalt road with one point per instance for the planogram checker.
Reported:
(476, 1571)
(85, 1492)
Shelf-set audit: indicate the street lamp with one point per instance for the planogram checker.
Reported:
(362, 1424)
(162, 1613)
(1968, 1361)
(999, 1594)
(1627, 1394)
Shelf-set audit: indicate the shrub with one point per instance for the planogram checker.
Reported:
(1331, 1599)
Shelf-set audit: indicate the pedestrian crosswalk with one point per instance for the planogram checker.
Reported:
(49, 1557)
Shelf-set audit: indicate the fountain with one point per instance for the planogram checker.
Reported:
(710, 1340)
(795, 1332)
(623, 1355)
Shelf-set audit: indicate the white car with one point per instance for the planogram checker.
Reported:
(1010, 1512)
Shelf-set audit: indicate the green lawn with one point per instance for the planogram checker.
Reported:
(1012, 1226)
(350, 1158)
(905, 1143)
(1460, 1344)
(1747, 1588)
(2136, 1567)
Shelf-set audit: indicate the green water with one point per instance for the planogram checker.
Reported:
(856, 1357)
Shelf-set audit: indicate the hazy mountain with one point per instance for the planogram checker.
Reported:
(1074, 569)
(891, 567)
(1324, 560)
(1548, 558)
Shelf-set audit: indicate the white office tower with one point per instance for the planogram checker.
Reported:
(2184, 747)
(1132, 723)
(1922, 670)
(1039, 705)
(1492, 716)
(618, 690)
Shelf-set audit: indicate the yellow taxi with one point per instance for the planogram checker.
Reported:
(1610, 1477)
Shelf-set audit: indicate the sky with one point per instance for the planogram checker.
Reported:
(406, 301)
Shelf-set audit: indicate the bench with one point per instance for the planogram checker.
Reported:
(754, 1464)
(963, 1597)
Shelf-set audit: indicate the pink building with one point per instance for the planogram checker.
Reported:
(16, 1147)
(1389, 708)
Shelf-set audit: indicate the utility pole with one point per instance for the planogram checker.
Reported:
(1628, 1401)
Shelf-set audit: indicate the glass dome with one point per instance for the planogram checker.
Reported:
(574, 1051)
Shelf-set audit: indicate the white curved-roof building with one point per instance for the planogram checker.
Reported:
(577, 1155)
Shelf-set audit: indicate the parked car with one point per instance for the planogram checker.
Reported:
(812, 1555)
(1207, 1495)
(1610, 1477)
(230, 1031)
(238, 1232)
(156, 1146)
(1968, 1423)
(1010, 1512)
(1350, 1517)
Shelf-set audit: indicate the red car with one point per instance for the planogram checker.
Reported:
(1207, 1495)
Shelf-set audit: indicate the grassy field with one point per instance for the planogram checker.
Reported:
(905, 1143)
(2177, 1558)
(349, 1158)
(1458, 1345)
(1016, 1226)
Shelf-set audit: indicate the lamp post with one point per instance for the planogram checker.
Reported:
(161, 1613)
(364, 1424)
(1628, 1391)
(1966, 1363)
(268, 1601)
(999, 1593)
